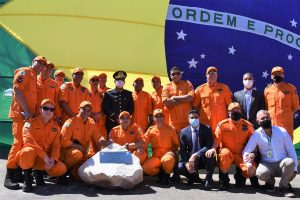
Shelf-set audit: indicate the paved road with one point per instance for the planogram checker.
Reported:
(149, 189)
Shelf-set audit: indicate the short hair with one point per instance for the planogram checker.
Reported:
(248, 73)
(175, 68)
(261, 111)
(193, 111)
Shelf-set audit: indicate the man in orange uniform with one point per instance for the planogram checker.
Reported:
(231, 136)
(282, 101)
(97, 113)
(142, 114)
(165, 143)
(212, 99)
(72, 94)
(48, 89)
(76, 135)
(41, 149)
(177, 96)
(22, 108)
(156, 97)
(129, 135)
(102, 83)
(59, 77)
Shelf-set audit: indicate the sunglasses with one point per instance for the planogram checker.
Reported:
(214, 73)
(86, 109)
(176, 73)
(94, 80)
(45, 108)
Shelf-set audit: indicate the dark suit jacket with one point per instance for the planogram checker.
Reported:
(205, 139)
(257, 103)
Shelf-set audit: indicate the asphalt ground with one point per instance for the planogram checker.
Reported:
(148, 189)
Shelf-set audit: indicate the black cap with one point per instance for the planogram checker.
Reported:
(120, 75)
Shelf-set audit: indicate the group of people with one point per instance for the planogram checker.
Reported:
(57, 126)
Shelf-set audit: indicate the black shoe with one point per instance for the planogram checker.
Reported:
(290, 188)
(28, 179)
(254, 182)
(240, 180)
(269, 187)
(208, 184)
(39, 177)
(286, 193)
(223, 181)
(9, 181)
(63, 180)
(19, 177)
(175, 178)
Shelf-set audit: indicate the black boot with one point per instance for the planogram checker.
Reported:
(28, 179)
(176, 176)
(63, 180)
(254, 182)
(240, 180)
(39, 177)
(9, 181)
(223, 180)
(19, 177)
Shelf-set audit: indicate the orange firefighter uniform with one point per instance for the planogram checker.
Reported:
(76, 131)
(142, 108)
(178, 113)
(25, 79)
(73, 96)
(231, 139)
(163, 140)
(39, 140)
(132, 134)
(282, 102)
(212, 103)
(158, 104)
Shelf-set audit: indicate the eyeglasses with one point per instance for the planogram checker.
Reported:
(214, 73)
(45, 108)
(86, 109)
(94, 80)
(175, 73)
(158, 116)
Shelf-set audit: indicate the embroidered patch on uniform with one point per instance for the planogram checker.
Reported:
(22, 73)
(286, 92)
(27, 125)
(63, 86)
(244, 127)
(220, 90)
(67, 125)
(54, 129)
(131, 132)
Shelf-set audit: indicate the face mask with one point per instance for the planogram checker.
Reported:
(248, 83)
(194, 122)
(235, 116)
(266, 124)
(120, 83)
(277, 79)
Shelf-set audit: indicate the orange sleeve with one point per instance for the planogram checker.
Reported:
(197, 98)
(228, 95)
(251, 130)
(175, 139)
(63, 93)
(266, 98)
(57, 105)
(55, 147)
(66, 134)
(150, 105)
(96, 135)
(165, 95)
(21, 78)
(218, 135)
(147, 138)
(295, 99)
(190, 89)
(29, 140)
(113, 135)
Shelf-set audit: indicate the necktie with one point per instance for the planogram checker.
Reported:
(195, 141)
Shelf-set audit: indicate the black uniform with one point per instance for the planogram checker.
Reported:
(114, 103)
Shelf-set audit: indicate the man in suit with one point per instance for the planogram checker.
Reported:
(251, 100)
(195, 140)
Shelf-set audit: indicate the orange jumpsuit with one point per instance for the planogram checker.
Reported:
(131, 135)
(48, 89)
(178, 113)
(73, 96)
(212, 103)
(26, 81)
(75, 130)
(158, 104)
(142, 108)
(40, 140)
(232, 138)
(282, 102)
(96, 99)
(163, 140)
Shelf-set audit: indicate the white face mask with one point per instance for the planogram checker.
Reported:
(194, 122)
(120, 83)
(248, 83)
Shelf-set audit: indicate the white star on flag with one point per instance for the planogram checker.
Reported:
(193, 63)
(290, 57)
(181, 35)
(231, 50)
(296, 115)
(265, 74)
(294, 23)
(202, 56)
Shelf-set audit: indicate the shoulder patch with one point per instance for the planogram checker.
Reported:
(286, 92)
(27, 125)
(67, 124)
(131, 132)
(22, 73)
(63, 86)
(54, 129)
(245, 127)
(220, 89)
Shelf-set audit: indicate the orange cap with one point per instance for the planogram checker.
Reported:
(103, 75)
(124, 113)
(139, 79)
(57, 72)
(50, 64)
(277, 69)
(45, 101)
(155, 77)
(94, 77)
(78, 69)
(85, 103)
(233, 105)
(158, 111)
(209, 69)
(41, 59)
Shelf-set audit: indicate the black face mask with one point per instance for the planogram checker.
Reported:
(235, 116)
(277, 79)
(266, 124)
